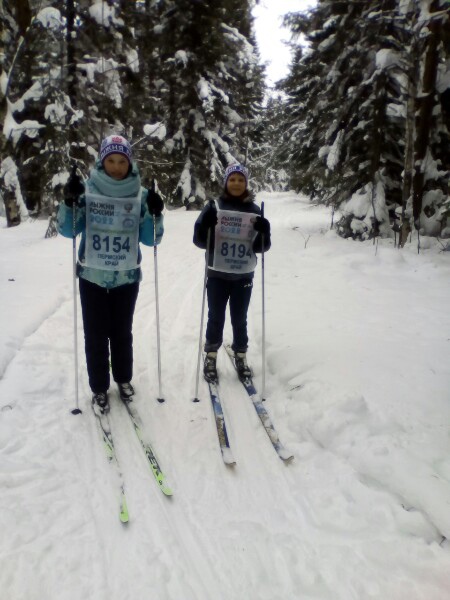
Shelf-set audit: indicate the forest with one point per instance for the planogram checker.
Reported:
(361, 123)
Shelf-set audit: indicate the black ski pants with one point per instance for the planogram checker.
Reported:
(108, 322)
(238, 292)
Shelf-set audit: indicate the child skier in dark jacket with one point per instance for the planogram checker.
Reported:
(113, 214)
(236, 231)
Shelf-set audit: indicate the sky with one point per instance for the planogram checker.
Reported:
(270, 34)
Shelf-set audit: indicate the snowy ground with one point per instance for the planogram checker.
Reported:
(358, 372)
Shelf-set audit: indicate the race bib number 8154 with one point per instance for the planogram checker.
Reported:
(112, 232)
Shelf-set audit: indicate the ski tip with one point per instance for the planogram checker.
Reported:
(285, 455)
(228, 458)
(123, 515)
(77, 411)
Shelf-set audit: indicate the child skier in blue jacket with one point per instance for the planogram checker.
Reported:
(236, 232)
(114, 214)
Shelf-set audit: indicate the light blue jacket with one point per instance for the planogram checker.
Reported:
(100, 183)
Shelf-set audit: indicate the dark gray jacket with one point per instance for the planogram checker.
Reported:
(227, 202)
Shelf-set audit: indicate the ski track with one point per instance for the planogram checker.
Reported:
(328, 526)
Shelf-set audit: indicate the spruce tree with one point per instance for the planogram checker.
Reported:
(347, 131)
(210, 90)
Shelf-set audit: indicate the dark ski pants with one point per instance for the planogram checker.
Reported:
(220, 291)
(108, 323)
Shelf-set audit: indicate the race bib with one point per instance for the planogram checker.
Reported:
(234, 237)
(112, 232)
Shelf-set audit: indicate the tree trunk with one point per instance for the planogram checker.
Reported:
(408, 169)
(377, 132)
(11, 208)
(425, 113)
(23, 15)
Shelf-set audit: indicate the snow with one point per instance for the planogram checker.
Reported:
(12, 130)
(50, 18)
(386, 59)
(357, 384)
(55, 112)
(443, 78)
(155, 130)
(133, 60)
(181, 57)
(8, 173)
(334, 151)
(104, 14)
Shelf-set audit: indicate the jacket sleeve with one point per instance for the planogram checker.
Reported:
(64, 219)
(257, 244)
(201, 232)
(147, 227)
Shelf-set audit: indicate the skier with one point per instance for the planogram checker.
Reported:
(237, 231)
(113, 213)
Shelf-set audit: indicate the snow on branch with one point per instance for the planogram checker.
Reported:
(50, 18)
(105, 15)
(12, 130)
(155, 130)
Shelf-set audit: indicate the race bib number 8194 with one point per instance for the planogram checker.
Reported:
(234, 236)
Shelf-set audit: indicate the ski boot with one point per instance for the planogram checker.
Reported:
(126, 392)
(210, 367)
(100, 403)
(242, 368)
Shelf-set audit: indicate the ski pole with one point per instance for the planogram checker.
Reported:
(208, 241)
(263, 387)
(158, 339)
(76, 410)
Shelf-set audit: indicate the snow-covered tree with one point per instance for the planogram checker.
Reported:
(210, 86)
(348, 138)
(14, 21)
(81, 69)
(431, 165)
(266, 163)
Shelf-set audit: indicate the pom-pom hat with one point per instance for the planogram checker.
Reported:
(235, 168)
(115, 144)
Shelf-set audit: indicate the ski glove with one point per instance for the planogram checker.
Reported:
(209, 218)
(262, 225)
(73, 188)
(154, 203)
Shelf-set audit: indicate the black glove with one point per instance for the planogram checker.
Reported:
(209, 218)
(154, 203)
(262, 225)
(73, 188)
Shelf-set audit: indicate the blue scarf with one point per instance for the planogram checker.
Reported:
(107, 186)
